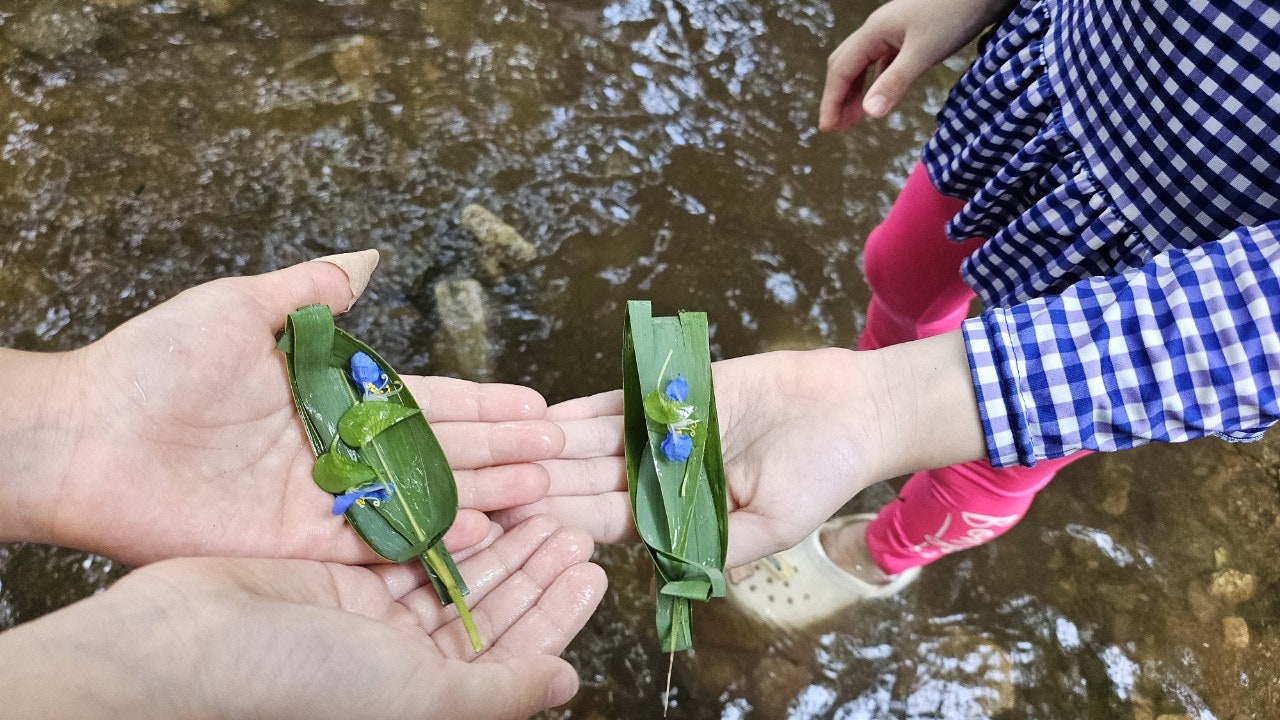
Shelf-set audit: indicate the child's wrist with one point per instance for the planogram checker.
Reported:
(929, 411)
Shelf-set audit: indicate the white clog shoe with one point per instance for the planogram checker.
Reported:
(802, 586)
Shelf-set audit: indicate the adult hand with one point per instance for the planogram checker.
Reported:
(176, 433)
(897, 43)
(801, 434)
(219, 638)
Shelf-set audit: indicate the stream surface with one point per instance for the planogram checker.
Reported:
(657, 149)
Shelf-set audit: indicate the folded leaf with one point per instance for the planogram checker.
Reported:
(675, 472)
(385, 435)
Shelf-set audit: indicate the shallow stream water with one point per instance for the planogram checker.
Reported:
(659, 149)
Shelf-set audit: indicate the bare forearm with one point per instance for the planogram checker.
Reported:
(78, 663)
(990, 10)
(38, 401)
(927, 409)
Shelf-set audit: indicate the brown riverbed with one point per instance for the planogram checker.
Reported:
(660, 149)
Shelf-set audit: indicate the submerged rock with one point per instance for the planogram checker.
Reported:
(213, 8)
(961, 676)
(8, 55)
(1118, 488)
(462, 342)
(1235, 632)
(502, 249)
(1143, 708)
(53, 28)
(358, 60)
(1232, 586)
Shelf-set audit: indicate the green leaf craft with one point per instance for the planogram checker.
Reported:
(374, 450)
(679, 505)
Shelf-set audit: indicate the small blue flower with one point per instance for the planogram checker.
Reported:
(678, 389)
(367, 375)
(374, 491)
(676, 446)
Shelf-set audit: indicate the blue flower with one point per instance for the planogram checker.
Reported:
(367, 375)
(676, 446)
(678, 389)
(374, 491)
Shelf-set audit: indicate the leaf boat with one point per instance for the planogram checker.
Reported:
(375, 451)
(675, 471)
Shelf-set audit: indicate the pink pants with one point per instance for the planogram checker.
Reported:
(916, 292)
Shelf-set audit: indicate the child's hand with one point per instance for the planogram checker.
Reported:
(900, 41)
(802, 433)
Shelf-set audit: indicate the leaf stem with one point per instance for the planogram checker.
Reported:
(682, 539)
(671, 665)
(664, 367)
(437, 565)
(684, 481)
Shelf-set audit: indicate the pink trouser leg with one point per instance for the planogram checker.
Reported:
(913, 269)
(916, 292)
(954, 508)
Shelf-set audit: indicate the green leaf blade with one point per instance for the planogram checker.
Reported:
(336, 473)
(364, 421)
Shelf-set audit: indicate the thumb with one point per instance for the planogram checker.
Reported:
(358, 267)
(516, 688)
(333, 280)
(893, 82)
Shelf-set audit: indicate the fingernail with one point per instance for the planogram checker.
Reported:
(562, 688)
(875, 105)
(358, 266)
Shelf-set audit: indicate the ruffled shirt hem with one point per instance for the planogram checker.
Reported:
(1047, 220)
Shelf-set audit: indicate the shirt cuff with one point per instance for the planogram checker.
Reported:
(991, 342)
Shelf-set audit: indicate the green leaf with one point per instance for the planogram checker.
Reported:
(366, 420)
(660, 408)
(690, 589)
(336, 473)
(408, 452)
(679, 508)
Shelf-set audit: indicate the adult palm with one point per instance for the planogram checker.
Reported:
(176, 434)
(222, 637)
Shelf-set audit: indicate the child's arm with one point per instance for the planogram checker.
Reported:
(1184, 346)
(802, 433)
(899, 41)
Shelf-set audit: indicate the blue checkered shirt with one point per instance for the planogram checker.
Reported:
(1120, 157)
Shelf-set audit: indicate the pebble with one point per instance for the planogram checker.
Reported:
(462, 342)
(1235, 632)
(357, 61)
(1232, 586)
(502, 249)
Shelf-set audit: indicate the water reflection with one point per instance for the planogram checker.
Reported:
(660, 149)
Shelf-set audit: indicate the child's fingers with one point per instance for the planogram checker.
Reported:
(894, 80)
(847, 67)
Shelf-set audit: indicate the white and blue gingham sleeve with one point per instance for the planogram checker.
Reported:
(1185, 346)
